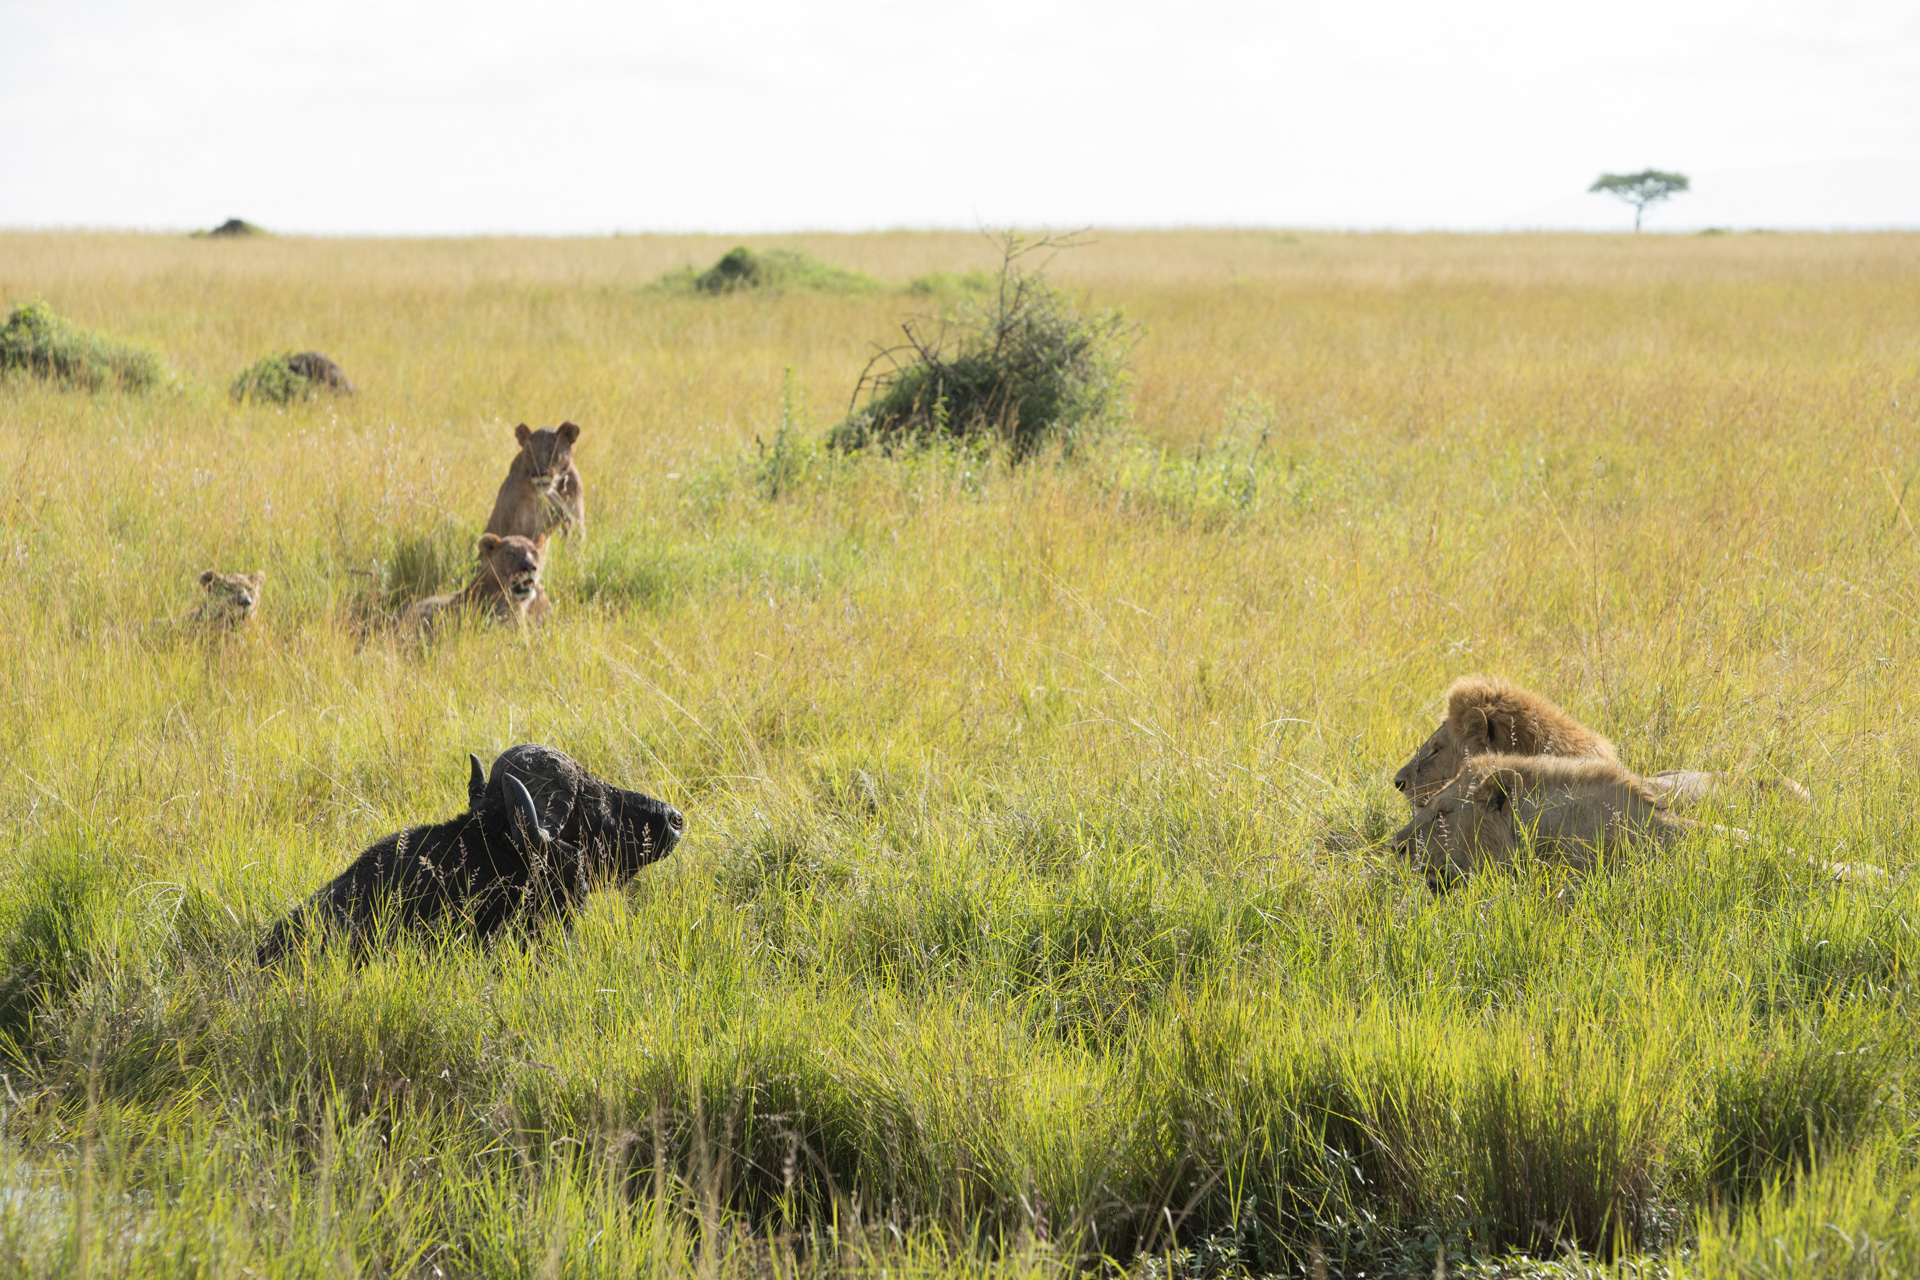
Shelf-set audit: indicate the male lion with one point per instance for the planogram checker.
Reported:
(543, 490)
(1486, 714)
(1574, 809)
(231, 600)
(506, 587)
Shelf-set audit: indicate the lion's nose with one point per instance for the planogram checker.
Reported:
(1400, 782)
(246, 601)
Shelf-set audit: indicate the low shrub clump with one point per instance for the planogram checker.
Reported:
(42, 343)
(233, 229)
(741, 270)
(286, 377)
(1019, 368)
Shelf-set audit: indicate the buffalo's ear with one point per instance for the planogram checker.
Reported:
(522, 434)
(206, 579)
(568, 432)
(517, 794)
(476, 782)
(1498, 789)
(488, 541)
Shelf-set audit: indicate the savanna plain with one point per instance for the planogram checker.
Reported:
(1036, 913)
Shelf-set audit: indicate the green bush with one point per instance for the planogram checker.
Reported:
(741, 270)
(1020, 368)
(272, 379)
(232, 229)
(43, 344)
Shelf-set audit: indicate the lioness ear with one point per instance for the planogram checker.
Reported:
(1497, 790)
(540, 543)
(521, 433)
(206, 579)
(488, 541)
(568, 432)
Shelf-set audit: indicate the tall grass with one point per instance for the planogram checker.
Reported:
(1033, 908)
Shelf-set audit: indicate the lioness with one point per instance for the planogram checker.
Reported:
(1574, 809)
(507, 586)
(542, 491)
(231, 600)
(1486, 714)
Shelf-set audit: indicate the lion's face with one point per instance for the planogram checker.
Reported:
(547, 454)
(514, 563)
(231, 597)
(1437, 762)
(1469, 821)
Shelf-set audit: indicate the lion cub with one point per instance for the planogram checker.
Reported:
(506, 587)
(231, 600)
(542, 491)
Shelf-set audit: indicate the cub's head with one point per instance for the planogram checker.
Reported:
(231, 597)
(546, 454)
(1468, 822)
(514, 563)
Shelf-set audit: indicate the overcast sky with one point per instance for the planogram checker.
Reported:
(374, 116)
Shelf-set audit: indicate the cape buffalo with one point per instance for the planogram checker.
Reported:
(535, 839)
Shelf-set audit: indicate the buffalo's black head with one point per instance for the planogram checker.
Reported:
(619, 831)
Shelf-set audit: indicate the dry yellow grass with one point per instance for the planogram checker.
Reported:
(1664, 480)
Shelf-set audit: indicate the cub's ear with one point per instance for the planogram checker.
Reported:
(568, 432)
(521, 433)
(206, 579)
(1498, 789)
(259, 578)
(488, 541)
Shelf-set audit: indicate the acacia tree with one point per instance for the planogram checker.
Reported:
(1649, 186)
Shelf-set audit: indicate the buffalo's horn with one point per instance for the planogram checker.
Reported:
(517, 792)
(476, 782)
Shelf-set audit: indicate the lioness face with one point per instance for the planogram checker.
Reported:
(231, 597)
(1437, 762)
(514, 563)
(547, 454)
(1469, 822)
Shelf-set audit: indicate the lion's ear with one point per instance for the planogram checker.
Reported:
(521, 433)
(1503, 731)
(1497, 790)
(540, 543)
(206, 579)
(488, 541)
(259, 578)
(1475, 730)
(568, 432)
